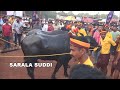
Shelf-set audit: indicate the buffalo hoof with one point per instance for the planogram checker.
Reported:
(66, 75)
(53, 77)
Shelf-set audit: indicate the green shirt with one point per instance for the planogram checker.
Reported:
(115, 34)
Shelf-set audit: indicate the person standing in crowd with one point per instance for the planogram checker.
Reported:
(74, 25)
(81, 30)
(45, 27)
(17, 28)
(50, 26)
(95, 27)
(56, 26)
(34, 18)
(108, 32)
(1, 23)
(4, 18)
(60, 25)
(97, 37)
(79, 50)
(116, 61)
(6, 32)
(115, 34)
(37, 25)
(104, 57)
(68, 26)
(90, 30)
(64, 28)
(11, 19)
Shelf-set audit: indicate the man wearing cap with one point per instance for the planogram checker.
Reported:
(104, 57)
(79, 50)
(6, 32)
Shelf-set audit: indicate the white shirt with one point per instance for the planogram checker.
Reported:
(60, 26)
(45, 27)
(1, 22)
(17, 27)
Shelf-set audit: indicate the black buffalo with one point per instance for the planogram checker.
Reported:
(38, 42)
(43, 43)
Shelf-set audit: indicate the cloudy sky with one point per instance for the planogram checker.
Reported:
(93, 12)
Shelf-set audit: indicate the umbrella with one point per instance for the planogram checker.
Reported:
(78, 19)
(70, 18)
(88, 20)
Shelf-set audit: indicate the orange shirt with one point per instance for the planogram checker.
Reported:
(68, 27)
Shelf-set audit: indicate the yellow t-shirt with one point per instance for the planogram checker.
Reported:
(118, 48)
(88, 62)
(11, 20)
(109, 35)
(82, 31)
(106, 44)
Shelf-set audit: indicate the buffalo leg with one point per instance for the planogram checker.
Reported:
(30, 70)
(65, 62)
(65, 69)
(58, 65)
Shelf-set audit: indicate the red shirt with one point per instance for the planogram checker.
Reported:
(50, 28)
(6, 29)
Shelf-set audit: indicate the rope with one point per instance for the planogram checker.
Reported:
(34, 55)
(7, 41)
(37, 55)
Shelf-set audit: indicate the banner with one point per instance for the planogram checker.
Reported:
(10, 13)
(19, 13)
(15, 13)
(109, 17)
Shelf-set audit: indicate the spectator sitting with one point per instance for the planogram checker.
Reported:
(82, 71)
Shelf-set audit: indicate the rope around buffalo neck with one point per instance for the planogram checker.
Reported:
(37, 55)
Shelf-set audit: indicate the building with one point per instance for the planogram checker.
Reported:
(2, 13)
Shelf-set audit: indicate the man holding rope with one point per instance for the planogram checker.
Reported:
(17, 28)
(6, 33)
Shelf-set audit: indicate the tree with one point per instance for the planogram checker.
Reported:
(103, 16)
(70, 13)
(49, 14)
(62, 13)
(115, 16)
(80, 14)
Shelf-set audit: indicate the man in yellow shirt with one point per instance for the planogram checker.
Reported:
(104, 57)
(11, 20)
(79, 50)
(81, 31)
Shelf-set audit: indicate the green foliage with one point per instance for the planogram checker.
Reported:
(52, 14)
